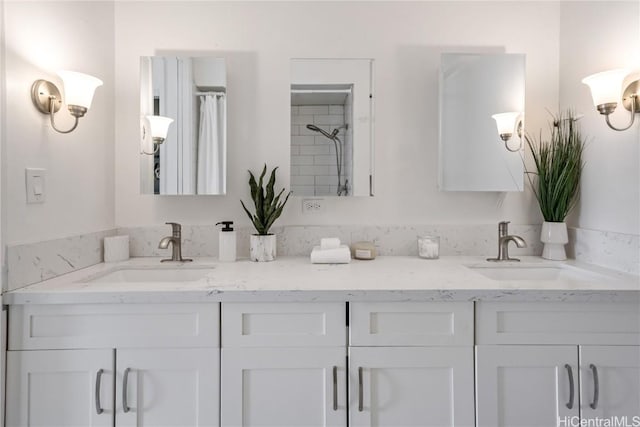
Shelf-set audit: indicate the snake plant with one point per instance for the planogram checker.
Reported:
(268, 206)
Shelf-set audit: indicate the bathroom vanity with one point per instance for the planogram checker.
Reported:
(398, 341)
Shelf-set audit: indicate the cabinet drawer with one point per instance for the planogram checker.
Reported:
(557, 323)
(34, 327)
(411, 323)
(283, 324)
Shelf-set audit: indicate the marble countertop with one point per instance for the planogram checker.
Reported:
(391, 278)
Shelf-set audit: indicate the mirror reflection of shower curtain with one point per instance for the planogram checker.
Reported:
(211, 145)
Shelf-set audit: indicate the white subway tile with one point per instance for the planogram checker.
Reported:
(312, 150)
(336, 109)
(303, 190)
(322, 140)
(303, 139)
(295, 170)
(295, 110)
(314, 170)
(314, 109)
(328, 120)
(326, 180)
(302, 180)
(295, 150)
(295, 130)
(301, 120)
(324, 160)
(302, 160)
(323, 190)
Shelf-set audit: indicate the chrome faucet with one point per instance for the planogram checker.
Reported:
(503, 243)
(176, 240)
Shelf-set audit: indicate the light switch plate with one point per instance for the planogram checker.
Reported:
(36, 185)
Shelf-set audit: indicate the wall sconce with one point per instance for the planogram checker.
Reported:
(506, 123)
(158, 127)
(606, 90)
(78, 89)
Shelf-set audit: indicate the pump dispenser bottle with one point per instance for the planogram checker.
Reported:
(227, 242)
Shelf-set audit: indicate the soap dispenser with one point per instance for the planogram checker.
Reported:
(227, 242)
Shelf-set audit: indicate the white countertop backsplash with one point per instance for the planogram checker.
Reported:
(390, 278)
(35, 262)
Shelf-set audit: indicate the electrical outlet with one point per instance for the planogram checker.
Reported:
(311, 206)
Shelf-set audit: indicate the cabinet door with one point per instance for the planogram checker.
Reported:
(615, 372)
(168, 387)
(59, 388)
(525, 385)
(292, 387)
(411, 386)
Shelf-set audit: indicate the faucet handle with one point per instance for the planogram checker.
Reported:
(502, 223)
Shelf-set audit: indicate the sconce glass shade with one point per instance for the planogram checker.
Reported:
(79, 88)
(506, 122)
(606, 87)
(159, 126)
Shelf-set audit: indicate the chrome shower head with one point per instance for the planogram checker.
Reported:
(317, 129)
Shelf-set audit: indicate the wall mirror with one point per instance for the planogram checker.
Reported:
(473, 87)
(192, 158)
(332, 127)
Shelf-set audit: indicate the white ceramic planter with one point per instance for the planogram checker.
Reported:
(263, 248)
(554, 236)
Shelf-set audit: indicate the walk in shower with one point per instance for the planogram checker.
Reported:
(321, 140)
(332, 127)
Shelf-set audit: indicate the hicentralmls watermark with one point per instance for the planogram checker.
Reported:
(576, 421)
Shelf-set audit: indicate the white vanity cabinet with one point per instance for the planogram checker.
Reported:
(108, 364)
(614, 371)
(60, 388)
(542, 364)
(284, 364)
(411, 364)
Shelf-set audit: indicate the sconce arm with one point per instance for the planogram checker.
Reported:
(156, 147)
(634, 110)
(52, 101)
(519, 132)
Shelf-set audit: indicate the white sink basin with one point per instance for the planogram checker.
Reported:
(141, 275)
(527, 272)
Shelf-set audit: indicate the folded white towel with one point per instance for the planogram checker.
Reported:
(329, 243)
(340, 255)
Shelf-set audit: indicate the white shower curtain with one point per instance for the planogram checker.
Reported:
(211, 145)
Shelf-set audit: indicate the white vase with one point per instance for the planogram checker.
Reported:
(263, 247)
(554, 236)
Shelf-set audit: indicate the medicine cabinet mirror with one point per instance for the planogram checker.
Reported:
(192, 92)
(332, 127)
(473, 87)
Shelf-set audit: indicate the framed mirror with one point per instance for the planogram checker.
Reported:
(332, 127)
(473, 88)
(191, 91)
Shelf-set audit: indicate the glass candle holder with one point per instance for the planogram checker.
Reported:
(429, 247)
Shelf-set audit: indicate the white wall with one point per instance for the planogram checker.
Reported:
(258, 40)
(3, 127)
(41, 38)
(597, 36)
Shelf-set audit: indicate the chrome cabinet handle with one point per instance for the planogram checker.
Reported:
(596, 386)
(99, 409)
(571, 388)
(335, 388)
(360, 392)
(125, 380)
